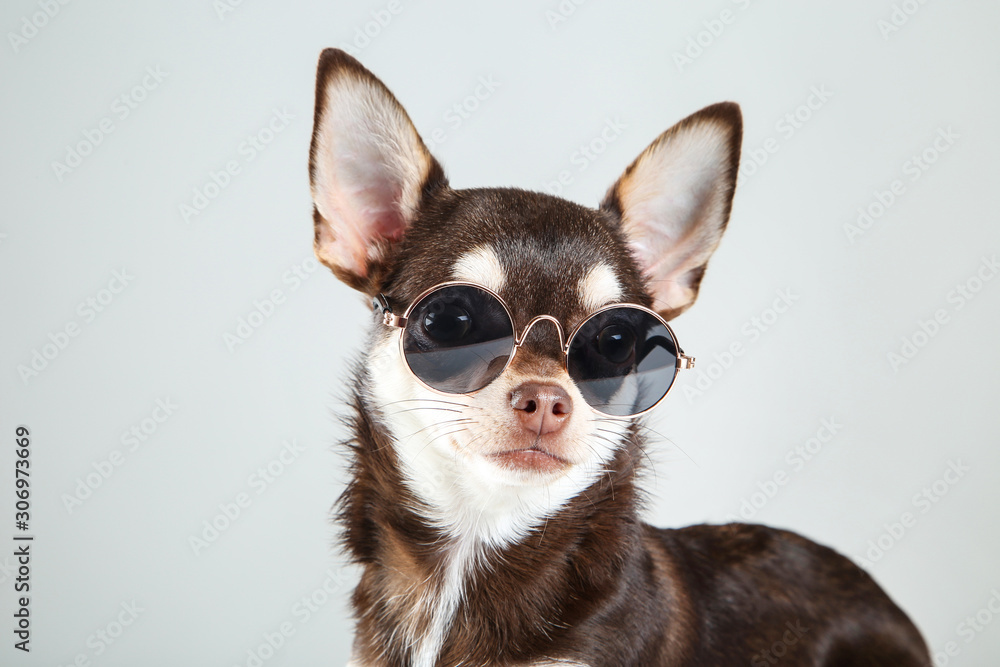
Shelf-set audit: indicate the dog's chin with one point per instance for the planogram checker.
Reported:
(530, 463)
(527, 464)
(532, 457)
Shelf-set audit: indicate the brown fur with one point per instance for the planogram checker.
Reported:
(597, 585)
(593, 583)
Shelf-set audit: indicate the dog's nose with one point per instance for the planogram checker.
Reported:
(541, 408)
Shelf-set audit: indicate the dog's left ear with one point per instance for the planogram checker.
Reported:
(368, 169)
(674, 202)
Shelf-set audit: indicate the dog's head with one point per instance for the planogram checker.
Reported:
(386, 222)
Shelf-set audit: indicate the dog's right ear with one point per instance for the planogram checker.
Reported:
(674, 202)
(369, 171)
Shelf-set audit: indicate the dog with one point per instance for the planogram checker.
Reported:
(517, 339)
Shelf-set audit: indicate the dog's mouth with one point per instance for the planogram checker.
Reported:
(530, 459)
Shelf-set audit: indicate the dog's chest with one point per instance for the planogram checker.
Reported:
(543, 663)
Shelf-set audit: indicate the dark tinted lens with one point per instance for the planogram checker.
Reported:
(623, 360)
(458, 339)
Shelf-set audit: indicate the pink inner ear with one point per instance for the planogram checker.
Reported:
(669, 258)
(362, 210)
(377, 218)
(368, 168)
(387, 222)
(361, 233)
(674, 203)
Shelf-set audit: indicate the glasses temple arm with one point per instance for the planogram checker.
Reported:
(684, 361)
(380, 305)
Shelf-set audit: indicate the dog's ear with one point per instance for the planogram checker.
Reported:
(368, 169)
(674, 202)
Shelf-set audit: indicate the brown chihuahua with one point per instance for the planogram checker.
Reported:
(517, 339)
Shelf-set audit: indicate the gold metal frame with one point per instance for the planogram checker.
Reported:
(400, 321)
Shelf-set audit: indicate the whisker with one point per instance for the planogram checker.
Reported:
(545, 524)
(447, 422)
(421, 400)
(670, 441)
(643, 425)
(652, 466)
(605, 470)
(440, 435)
(423, 407)
(474, 440)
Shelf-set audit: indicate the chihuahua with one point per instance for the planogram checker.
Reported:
(517, 339)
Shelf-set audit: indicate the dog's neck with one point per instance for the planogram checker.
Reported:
(426, 592)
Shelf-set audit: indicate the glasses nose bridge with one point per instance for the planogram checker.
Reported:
(542, 318)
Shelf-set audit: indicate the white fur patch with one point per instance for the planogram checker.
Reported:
(482, 267)
(460, 560)
(674, 202)
(440, 441)
(599, 288)
(544, 663)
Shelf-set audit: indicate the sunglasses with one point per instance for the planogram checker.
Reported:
(457, 337)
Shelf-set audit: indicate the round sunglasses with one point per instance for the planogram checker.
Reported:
(458, 337)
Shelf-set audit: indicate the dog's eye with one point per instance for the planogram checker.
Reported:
(447, 322)
(616, 343)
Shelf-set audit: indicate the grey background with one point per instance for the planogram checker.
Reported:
(560, 82)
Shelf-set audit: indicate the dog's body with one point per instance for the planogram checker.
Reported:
(501, 528)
